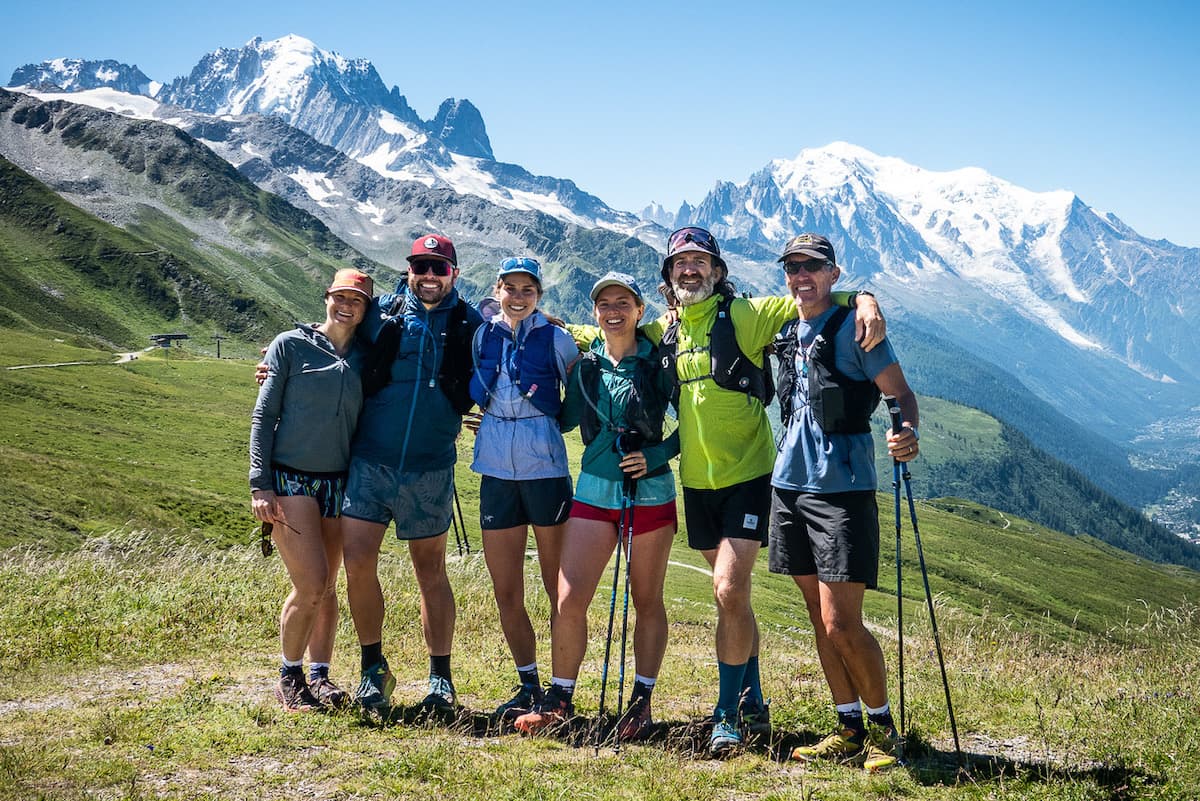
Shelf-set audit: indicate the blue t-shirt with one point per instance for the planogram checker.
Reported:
(811, 460)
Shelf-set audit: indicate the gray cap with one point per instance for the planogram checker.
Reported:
(614, 278)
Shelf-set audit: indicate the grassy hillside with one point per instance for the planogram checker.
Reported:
(974, 455)
(138, 637)
(194, 246)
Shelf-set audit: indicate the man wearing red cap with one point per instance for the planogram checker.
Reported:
(403, 456)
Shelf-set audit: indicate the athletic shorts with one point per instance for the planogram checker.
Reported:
(834, 535)
(738, 512)
(329, 489)
(421, 504)
(508, 504)
(645, 518)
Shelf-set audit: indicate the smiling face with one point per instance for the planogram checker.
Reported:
(518, 294)
(693, 276)
(810, 290)
(345, 307)
(618, 312)
(430, 287)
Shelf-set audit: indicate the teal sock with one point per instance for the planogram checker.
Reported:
(752, 694)
(731, 677)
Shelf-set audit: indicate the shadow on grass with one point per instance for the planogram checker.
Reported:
(923, 761)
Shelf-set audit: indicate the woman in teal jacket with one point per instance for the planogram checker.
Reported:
(618, 395)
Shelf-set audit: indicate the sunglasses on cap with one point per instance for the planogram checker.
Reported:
(519, 263)
(435, 266)
(809, 266)
(697, 236)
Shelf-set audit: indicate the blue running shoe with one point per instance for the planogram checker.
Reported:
(725, 735)
(375, 688)
(442, 697)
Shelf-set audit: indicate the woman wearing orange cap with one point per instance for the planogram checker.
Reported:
(300, 436)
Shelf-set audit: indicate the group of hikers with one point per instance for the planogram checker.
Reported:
(356, 426)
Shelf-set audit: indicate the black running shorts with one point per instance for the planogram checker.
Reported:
(508, 504)
(738, 512)
(834, 535)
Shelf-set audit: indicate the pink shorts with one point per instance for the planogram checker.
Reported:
(645, 518)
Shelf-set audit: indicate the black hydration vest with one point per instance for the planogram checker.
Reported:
(454, 374)
(643, 416)
(729, 367)
(840, 404)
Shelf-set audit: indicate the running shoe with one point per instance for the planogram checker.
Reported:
(756, 721)
(375, 688)
(553, 710)
(881, 749)
(293, 693)
(526, 698)
(328, 693)
(635, 724)
(725, 735)
(442, 697)
(841, 745)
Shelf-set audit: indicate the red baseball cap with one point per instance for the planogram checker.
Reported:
(434, 246)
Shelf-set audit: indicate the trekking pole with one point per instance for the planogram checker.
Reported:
(461, 524)
(628, 496)
(454, 525)
(894, 410)
(612, 611)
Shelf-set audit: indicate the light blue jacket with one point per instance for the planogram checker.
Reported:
(516, 440)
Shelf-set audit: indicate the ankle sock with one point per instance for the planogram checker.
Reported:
(881, 716)
(528, 675)
(850, 716)
(372, 655)
(439, 666)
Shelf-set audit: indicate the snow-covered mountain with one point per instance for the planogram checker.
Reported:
(1095, 318)
(74, 75)
(344, 103)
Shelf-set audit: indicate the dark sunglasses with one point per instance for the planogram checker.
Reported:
(695, 235)
(809, 266)
(435, 266)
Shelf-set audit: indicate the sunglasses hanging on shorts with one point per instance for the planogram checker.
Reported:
(436, 266)
(809, 266)
(264, 538)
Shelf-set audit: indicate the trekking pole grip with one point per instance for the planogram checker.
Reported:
(893, 407)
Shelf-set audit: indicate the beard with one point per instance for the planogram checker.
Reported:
(690, 297)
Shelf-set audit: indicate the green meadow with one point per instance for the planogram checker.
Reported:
(138, 636)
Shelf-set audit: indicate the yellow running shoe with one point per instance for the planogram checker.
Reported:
(842, 745)
(881, 749)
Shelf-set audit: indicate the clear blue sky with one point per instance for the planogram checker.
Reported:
(641, 101)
